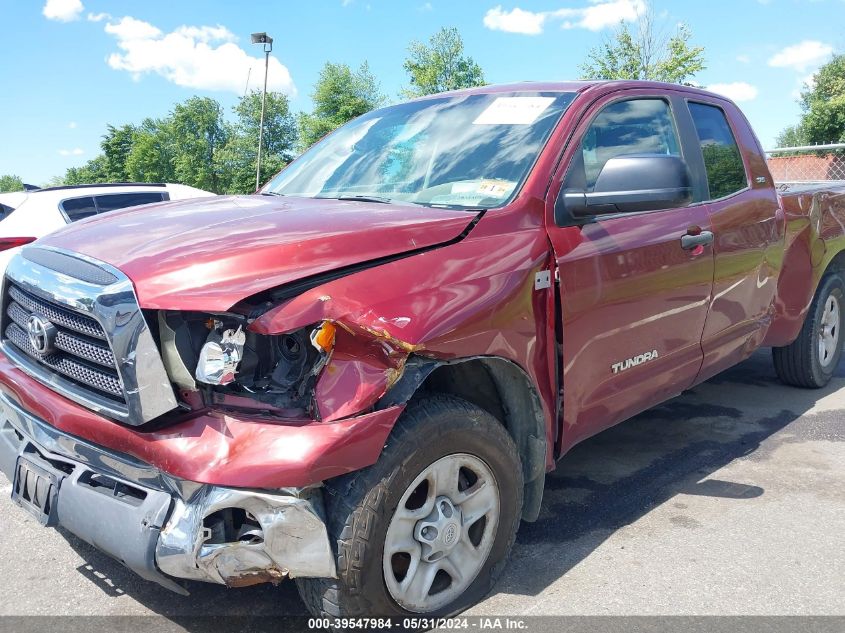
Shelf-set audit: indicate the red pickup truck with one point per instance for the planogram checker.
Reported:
(359, 377)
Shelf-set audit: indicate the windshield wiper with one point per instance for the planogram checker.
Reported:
(380, 199)
(271, 193)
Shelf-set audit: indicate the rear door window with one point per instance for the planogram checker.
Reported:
(722, 160)
(114, 201)
(79, 208)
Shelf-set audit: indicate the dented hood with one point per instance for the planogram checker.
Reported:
(209, 253)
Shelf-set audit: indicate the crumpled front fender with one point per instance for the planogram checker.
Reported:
(469, 299)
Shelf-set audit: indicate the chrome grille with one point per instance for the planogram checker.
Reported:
(79, 352)
(60, 317)
(96, 347)
(67, 341)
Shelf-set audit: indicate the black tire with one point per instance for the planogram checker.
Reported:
(360, 506)
(799, 364)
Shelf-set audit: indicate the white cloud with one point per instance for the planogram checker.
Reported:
(62, 10)
(600, 14)
(737, 91)
(76, 151)
(99, 17)
(130, 29)
(72, 125)
(426, 7)
(743, 59)
(201, 57)
(803, 56)
(515, 21)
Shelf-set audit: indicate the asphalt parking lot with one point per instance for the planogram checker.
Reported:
(728, 500)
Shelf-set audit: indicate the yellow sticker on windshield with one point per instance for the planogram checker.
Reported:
(513, 111)
(495, 188)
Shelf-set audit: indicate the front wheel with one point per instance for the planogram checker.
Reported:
(811, 360)
(427, 529)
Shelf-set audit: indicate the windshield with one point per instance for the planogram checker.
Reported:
(461, 151)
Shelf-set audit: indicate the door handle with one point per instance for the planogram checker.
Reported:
(691, 241)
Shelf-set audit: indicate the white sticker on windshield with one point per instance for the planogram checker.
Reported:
(514, 111)
(464, 186)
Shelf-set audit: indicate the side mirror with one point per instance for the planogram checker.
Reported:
(629, 183)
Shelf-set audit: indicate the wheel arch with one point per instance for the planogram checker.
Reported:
(500, 387)
(836, 265)
(796, 291)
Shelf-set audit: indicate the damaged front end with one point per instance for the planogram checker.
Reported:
(322, 372)
(218, 358)
(239, 538)
(317, 374)
(162, 527)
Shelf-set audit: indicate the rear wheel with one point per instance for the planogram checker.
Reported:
(811, 360)
(428, 528)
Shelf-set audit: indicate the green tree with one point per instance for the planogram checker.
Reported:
(236, 161)
(823, 103)
(792, 136)
(151, 157)
(8, 182)
(440, 65)
(340, 95)
(645, 51)
(93, 171)
(55, 181)
(822, 108)
(116, 145)
(195, 145)
(198, 133)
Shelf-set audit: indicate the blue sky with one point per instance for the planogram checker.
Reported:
(69, 67)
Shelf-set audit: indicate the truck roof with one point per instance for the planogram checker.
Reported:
(576, 86)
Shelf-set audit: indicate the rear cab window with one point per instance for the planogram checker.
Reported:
(722, 159)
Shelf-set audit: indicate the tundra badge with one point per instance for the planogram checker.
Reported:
(633, 362)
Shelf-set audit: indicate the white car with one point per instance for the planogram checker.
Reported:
(10, 201)
(36, 213)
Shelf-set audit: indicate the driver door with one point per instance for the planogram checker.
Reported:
(633, 298)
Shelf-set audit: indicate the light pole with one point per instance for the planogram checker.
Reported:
(267, 41)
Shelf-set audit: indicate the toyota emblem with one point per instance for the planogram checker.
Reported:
(42, 334)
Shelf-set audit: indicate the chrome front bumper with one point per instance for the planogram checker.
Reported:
(156, 524)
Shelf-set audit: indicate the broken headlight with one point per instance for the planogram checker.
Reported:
(220, 356)
(230, 364)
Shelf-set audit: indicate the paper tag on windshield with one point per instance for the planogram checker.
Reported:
(513, 111)
(495, 188)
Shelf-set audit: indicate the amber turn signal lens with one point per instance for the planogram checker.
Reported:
(323, 337)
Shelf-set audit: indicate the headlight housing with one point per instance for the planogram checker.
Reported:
(233, 366)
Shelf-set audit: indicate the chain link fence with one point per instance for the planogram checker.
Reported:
(808, 163)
